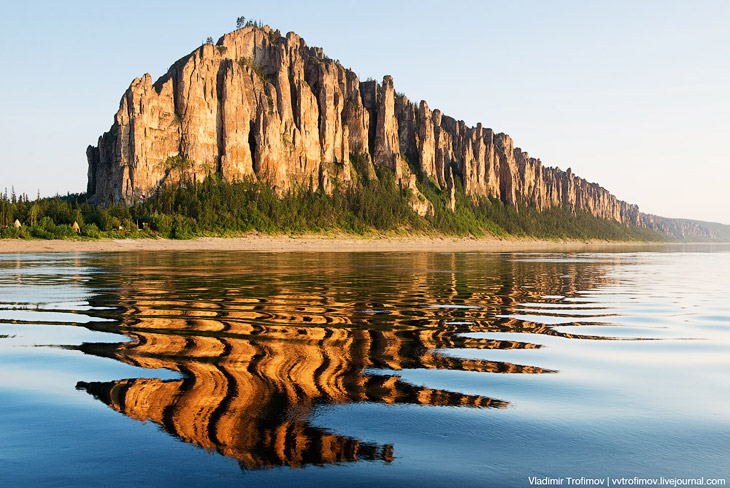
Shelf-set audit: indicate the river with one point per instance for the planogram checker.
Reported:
(354, 369)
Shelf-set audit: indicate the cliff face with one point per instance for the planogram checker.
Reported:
(271, 108)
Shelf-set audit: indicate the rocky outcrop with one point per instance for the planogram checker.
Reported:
(267, 107)
(386, 150)
(687, 230)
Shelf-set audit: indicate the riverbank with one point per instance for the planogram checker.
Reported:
(310, 243)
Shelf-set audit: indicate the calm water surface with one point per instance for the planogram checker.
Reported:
(389, 369)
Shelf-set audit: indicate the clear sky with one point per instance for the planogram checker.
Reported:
(634, 95)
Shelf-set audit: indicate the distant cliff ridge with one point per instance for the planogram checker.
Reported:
(269, 107)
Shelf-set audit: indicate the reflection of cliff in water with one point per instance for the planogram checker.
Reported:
(260, 349)
(251, 399)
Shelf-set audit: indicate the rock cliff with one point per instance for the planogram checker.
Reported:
(263, 106)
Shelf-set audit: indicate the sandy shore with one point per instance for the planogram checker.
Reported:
(308, 243)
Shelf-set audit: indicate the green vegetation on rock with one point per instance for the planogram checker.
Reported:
(373, 204)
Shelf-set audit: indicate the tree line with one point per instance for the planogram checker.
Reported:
(372, 205)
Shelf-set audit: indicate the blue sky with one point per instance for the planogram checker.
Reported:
(631, 94)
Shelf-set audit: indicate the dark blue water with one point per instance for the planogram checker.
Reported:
(346, 369)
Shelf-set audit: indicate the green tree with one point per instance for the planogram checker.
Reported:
(33, 213)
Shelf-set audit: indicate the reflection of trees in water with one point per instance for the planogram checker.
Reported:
(260, 346)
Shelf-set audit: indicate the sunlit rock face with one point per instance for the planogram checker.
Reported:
(265, 106)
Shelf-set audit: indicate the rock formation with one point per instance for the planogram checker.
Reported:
(262, 106)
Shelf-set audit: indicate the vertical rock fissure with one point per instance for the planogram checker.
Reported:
(220, 128)
(294, 101)
(252, 147)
